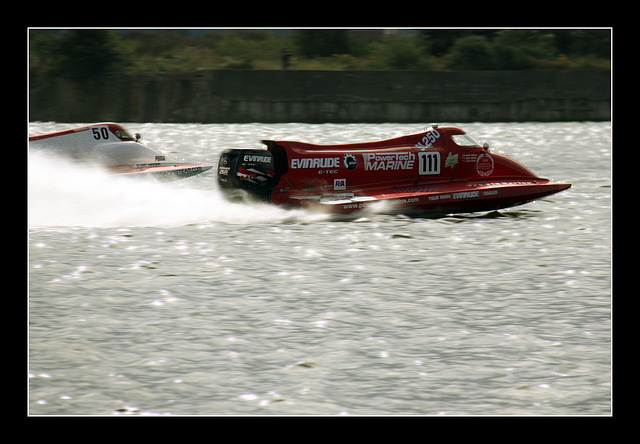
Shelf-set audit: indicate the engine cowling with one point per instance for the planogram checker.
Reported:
(246, 171)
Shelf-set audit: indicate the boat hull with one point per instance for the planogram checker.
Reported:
(439, 199)
(442, 170)
(163, 172)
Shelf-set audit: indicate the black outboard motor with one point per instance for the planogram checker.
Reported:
(248, 170)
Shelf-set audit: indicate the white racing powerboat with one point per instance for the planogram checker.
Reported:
(112, 146)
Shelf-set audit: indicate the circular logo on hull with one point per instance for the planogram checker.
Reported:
(484, 164)
(350, 161)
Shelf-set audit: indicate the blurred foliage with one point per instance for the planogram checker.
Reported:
(91, 53)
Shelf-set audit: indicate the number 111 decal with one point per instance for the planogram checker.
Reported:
(429, 162)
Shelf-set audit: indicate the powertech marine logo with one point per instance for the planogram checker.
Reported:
(389, 161)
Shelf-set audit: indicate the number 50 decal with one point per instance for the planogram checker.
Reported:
(429, 162)
(101, 132)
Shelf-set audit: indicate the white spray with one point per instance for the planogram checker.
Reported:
(62, 193)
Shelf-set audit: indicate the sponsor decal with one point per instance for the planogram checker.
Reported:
(251, 175)
(518, 182)
(429, 139)
(469, 157)
(350, 161)
(451, 160)
(315, 162)
(466, 194)
(354, 206)
(339, 184)
(440, 196)
(257, 158)
(408, 200)
(463, 195)
(484, 164)
(389, 161)
(190, 170)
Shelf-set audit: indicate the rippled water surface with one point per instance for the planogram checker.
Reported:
(162, 298)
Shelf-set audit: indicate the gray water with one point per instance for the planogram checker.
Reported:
(153, 298)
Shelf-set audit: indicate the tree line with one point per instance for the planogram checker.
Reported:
(88, 53)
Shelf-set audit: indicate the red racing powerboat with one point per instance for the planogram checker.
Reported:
(441, 170)
(112, 146)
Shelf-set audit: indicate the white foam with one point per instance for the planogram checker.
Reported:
(62, 193)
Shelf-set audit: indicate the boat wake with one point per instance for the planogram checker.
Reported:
(65, 194)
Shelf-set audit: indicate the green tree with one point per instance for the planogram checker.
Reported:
(404, 52)
(584, 42)
(247, 49)
(523, 49)
(321, 42)
(87, 54)
(472, 52)
(442, 40)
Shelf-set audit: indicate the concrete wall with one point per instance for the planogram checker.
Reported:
(221, 96)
